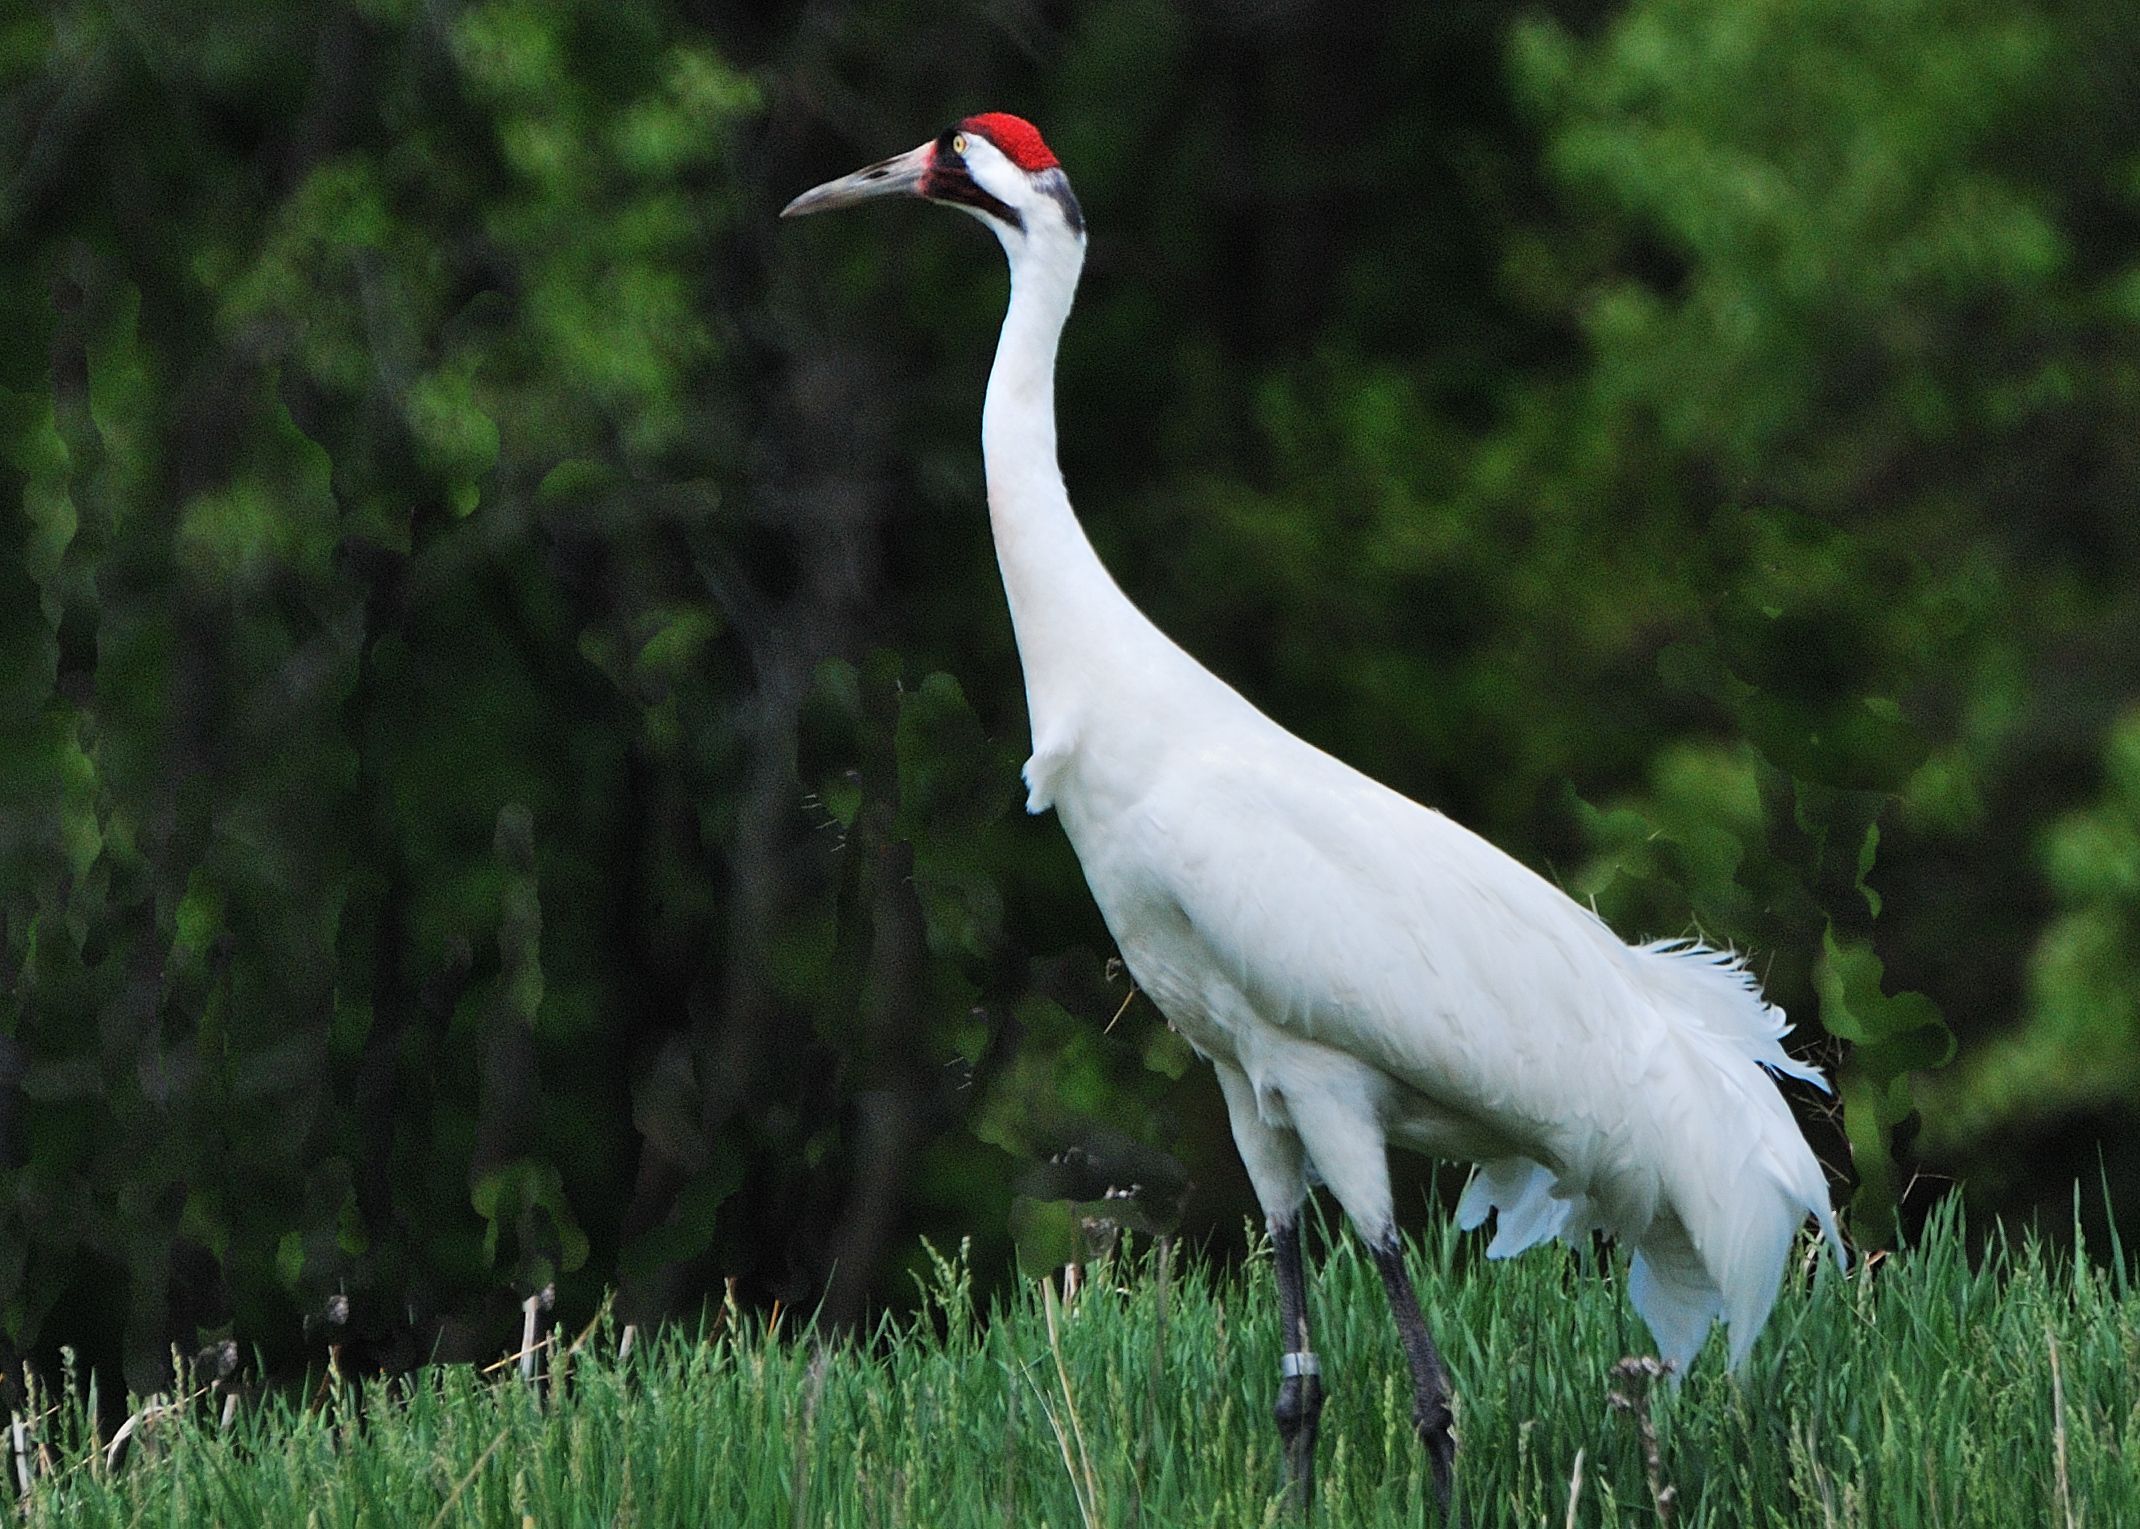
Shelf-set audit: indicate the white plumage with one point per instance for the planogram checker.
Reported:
(1359, 969)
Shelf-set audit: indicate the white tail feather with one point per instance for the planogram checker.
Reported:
(1719, 1179)
(1717, 993)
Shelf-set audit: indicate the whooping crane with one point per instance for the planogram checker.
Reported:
(1358, 969)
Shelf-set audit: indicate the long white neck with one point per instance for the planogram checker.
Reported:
(1076, 630)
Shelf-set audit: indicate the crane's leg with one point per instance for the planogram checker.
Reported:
(1277, 1169)
(1430, 1379)
(1341, 1131)
(1300, 1373)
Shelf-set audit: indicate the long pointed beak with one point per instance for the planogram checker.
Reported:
(899, 176)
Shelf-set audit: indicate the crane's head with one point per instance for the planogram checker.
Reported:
(995, 166)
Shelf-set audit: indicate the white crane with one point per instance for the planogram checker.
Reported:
(1357, 968)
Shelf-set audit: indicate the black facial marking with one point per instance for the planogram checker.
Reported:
(1057, 185)
(948, 180)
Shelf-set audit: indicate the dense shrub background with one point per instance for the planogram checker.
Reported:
(508, 733)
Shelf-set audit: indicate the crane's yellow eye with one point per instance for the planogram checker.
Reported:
(958, 143)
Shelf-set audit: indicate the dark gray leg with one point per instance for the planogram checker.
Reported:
(1430, 1381)
(1300, 1384)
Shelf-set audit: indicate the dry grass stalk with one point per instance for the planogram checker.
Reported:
(1638, 1374)
(1084, 1481)
(799, 1480)
(445, 1509)
(2058, 1433)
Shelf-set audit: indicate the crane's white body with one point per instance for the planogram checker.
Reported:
(1359, 969)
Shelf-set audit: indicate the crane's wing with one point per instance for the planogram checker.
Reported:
(1350, 916)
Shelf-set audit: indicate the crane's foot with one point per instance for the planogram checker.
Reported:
(1299, 1411)
(1432, 1420)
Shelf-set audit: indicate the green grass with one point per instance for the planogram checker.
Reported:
(1919, 1390)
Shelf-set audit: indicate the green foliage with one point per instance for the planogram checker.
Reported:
(313, 794)
(1886, 315)
(2077, 1046)
(1922, 1391)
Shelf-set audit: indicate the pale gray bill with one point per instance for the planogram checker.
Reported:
(898, 176)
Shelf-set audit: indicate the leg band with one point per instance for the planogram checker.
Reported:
(1301, 1363)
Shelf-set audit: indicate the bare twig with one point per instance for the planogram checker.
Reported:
(152, 1410)
(506, 1362)
(528, 1310)
(530, 1345)
(1127, 999)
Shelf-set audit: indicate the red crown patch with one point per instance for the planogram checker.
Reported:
(1019, 140)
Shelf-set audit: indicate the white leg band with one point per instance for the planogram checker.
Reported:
(1302, 1363)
